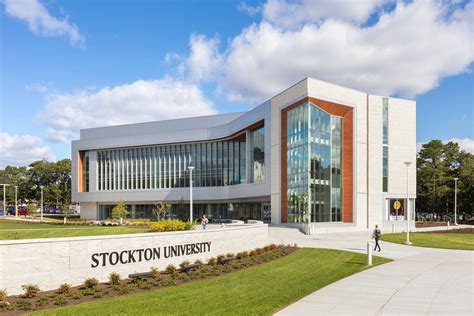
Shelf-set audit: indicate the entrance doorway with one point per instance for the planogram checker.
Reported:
(266, 212)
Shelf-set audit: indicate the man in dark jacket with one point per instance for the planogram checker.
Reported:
(376, 235)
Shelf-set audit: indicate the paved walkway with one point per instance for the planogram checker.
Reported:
(420, 281)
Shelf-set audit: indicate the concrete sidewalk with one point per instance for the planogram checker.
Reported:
(420, 281)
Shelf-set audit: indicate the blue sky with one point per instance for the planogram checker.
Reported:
(67, 65)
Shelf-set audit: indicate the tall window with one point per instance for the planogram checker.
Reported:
(314, 165)
(258, 154)
(385, 146)
(85, 171)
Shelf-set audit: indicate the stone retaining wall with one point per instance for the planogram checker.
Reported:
(52, 261)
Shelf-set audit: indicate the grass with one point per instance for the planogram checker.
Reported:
(434, 240)
(23, 230)
(261, 290)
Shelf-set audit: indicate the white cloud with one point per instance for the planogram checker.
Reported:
(204, 59)
(291, 14)
(407, 51)
(41, 22)
(140, 101)
(466, 144)
(20, 150)
(248, 9)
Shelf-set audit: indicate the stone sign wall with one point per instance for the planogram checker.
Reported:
(52, 261)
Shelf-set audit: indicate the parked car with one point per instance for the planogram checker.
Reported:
(10, 210)
(1, 212)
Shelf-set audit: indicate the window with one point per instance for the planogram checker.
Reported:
(385, 146)
(258, 154)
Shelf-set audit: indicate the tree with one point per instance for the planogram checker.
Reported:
(31, 209)
(119, 210)
(160, 209)
(437, 166)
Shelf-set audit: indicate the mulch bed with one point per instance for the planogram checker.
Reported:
(453, 231)
(19, 304)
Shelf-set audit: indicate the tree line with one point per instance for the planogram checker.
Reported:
(55, 177)
(437, 166)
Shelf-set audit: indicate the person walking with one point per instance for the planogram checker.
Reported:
(204, 221)
(376, 235)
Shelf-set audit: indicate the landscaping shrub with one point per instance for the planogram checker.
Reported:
(42, 301)
(3, 295)
(170, 225)
(212, 261)
(243, 254)
(64, 288)
(220, 259)
(30, 290)
(184, 264)
(155, 273)
(114, 278)
(60, 300)
(23, 304)
(78, 296)
(171, 269)
(230, 255)
(91, 283)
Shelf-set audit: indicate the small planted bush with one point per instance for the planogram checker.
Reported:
(30, 290)
(42, 301)
(64, 288)
(23, 304)
(60, 300)
(220, 259)
(171, 269)
(155, 273)
(3, 295)
(229, 255)
(78, 296)
(199, 262)
(114, 279)
(184, 264)
(212, 261)
(91, 283)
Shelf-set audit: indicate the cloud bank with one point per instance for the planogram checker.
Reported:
(20, 150)
(404, 51)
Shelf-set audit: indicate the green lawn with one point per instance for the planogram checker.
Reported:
(22, 230)
(434, 240)
(261, 290)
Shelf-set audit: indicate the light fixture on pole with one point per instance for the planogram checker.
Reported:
(4, 200)
(190, 168)
(407, 212)
(455, 201)
(16, 201)
(41, 220)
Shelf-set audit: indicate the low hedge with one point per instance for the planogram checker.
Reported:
(166, 225)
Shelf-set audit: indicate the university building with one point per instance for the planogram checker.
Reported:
(317, 155)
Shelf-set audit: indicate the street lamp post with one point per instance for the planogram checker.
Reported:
(16, 201)
(191, 193)
(407, 242)
(41, 219)
(455, 201)
(4, 200)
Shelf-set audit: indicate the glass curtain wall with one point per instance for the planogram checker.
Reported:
(314, 165)
(160, 167)
(216, 212)
(258, 154)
